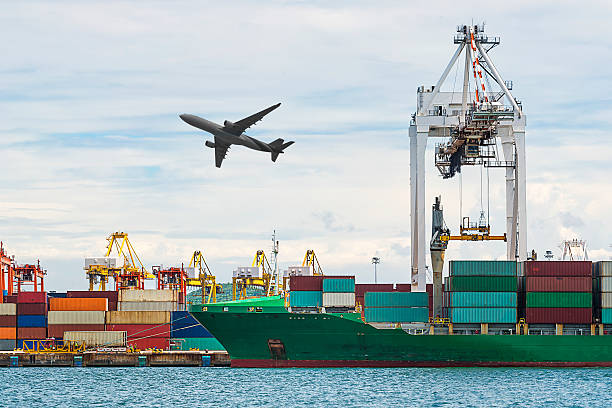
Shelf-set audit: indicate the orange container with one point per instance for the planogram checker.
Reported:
(8, 333)
(76, 304)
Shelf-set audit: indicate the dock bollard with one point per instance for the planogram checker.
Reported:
(14, 361)
(205, 361)
(78, 361)
(142, 361)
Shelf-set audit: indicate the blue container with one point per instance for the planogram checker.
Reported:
(483, 268)
(483, 299)
(396, 314)
(305, 298)
(31, 321)
(339, 285)
(606, 316)
(396, 299)
(483, 315)
(184, 325)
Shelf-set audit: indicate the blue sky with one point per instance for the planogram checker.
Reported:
(91, 141)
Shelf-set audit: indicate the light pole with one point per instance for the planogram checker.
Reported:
(375, 261)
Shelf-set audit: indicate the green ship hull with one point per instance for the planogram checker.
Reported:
(269, 336)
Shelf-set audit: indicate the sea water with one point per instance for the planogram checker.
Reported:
(322, 387)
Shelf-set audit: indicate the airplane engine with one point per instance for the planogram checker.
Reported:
(227, 123)
(210, 144)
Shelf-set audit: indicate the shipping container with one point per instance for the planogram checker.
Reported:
(606, 300)
(8, 309)
(482, 268)
(338, 299)
(31, 308)
(482, 299)
(396, 314)
(8, 333)
(98, 338)
(135, 331)
(606, 316)
(111, 295)
(119, 317)
(32, 297)
(32, 333)
(558, 283)
(10, 299)
(403, 287)
(76, 317)
(396, 299)
(483, 284)
(150, 343)
(559, 299)
(197, 343)
(343, 284)
(7, 344)
(31, 321)
(56, 295)
(574, 315)
(148, 306)
(558, 268)
(185, 325)
(306, 298)
(57, 330)
(483, 314)
(362, 288)
(8, 321)
(605, 283)
(83, 304)
(310, 283)
(148, 295)
(602, 268)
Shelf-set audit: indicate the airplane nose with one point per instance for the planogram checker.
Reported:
(183, 116)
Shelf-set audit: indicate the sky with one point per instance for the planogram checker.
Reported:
(91, 141)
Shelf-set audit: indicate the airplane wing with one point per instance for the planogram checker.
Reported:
(220, 152)
(243, 124)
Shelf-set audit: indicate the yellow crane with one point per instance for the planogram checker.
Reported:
(203, 278)
(311, 262)
(260, 274)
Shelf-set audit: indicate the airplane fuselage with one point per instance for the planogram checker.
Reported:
(225, 137)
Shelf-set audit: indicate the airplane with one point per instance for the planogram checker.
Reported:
(233, 133)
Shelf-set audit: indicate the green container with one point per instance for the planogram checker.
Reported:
(483, 268)
(482, 284)
(396, 314)
(198, 343)
(559, 299)
(396, 299)
(483, 314)
(606, 316)
(483, 299)
(338, 285)
(306, 298)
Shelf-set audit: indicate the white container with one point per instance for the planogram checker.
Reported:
(103, 261)
(190, 271)
(606, 284)
(606, 300)
(298, 271)
(123, 317)
(148, 306)
(76, 317)
(148, 295)
(247, 272)
(332, 299)
(8, 309)
(97, 338)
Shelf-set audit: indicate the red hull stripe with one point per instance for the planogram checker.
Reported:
(265, 363)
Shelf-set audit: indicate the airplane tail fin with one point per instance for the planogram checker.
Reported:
(278, 146)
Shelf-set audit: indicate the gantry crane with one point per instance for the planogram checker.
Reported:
(260, 274)
(28, 275)
(6, 273)
(203, 278)
(310, 266)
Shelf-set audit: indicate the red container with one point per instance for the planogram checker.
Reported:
(32, 309)
(559, 284)
(141, 330)
(10, 299)
(111, 295)
(57, 330)
(549, 315)
(32, 297)
(31, 333)
(558, 268)
(403, 287)
(151, 342)
(8, 321)
(362, 288)
(314, 283)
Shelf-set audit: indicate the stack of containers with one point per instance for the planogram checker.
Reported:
(339, 292)
(135, 300)
(76, 314)
(396, 307)
(603, 290)
(188, 334)
(31, 316)
(482, 292)
(8, 326)
(362, 288)
(306, 292)
(558, 292)
(145, 329)
(111, 295)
